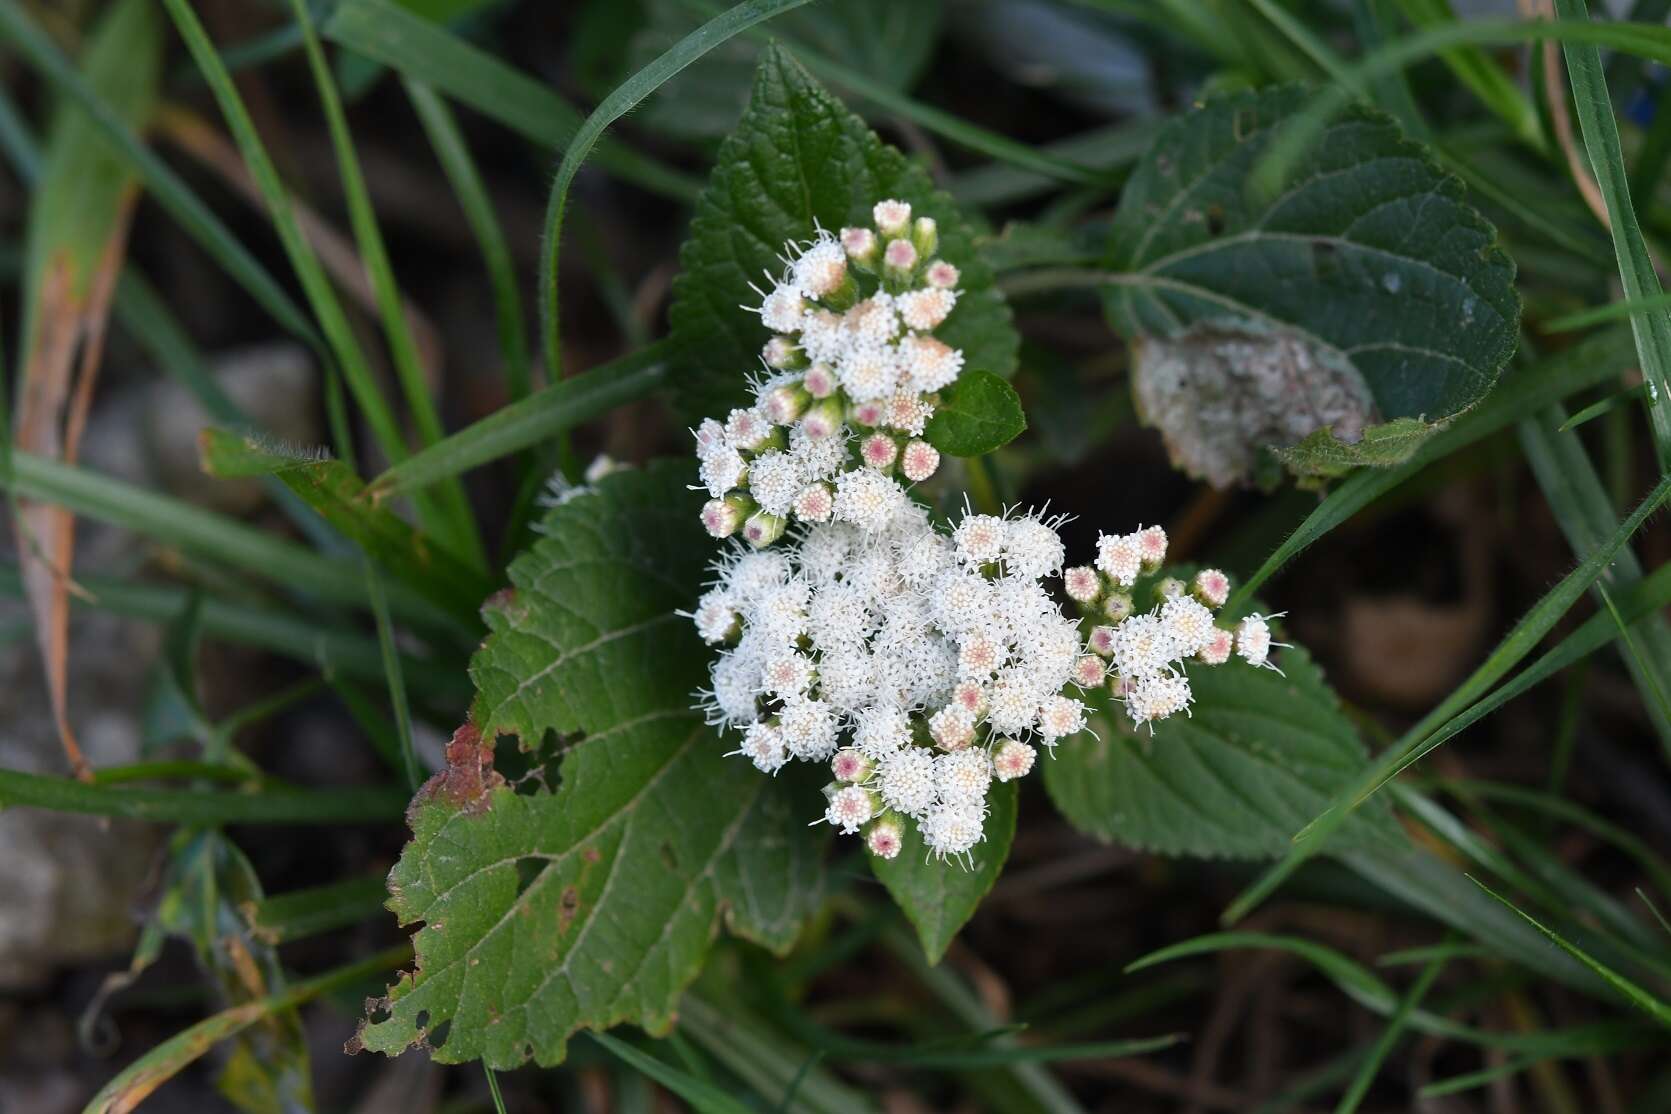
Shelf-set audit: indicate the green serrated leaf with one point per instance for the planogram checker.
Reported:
(594, 902)
(799, 160)
(1323, 455)
(1257, 756)
(1364, 291)
(938, 898)
(977, 414)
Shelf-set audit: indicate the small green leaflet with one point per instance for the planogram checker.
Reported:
(799, 160)
(975, 415)
(1364, 292)
(593, 902)
(938, 898)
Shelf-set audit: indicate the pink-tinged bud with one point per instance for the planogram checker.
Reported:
(925, 310)
(1011, 759)
(900, 257)
(785, 403)
(1121, 687)
(925, 237)
(892, 217)
(971, 697)
(748, 429)
(850, 807)
(1151, 547)
(909, 413)
(820, 381)
(781, 353)
(1117, 607)
(1211, 587)
(1217, 649)
(868, 413)
(1089, 671)
(762, 529)
(851, 766)
(952, 727)
(1102, 641)
(724, 517)
(879, 451)
(709, 436)
(1170, 589)
(815, 503)
(1082, 584)
(860, 244)
(823, 419)
(919, 461)
(941, 275)
(884, 837)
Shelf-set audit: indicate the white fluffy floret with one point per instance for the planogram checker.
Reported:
(905, 780)
(962, 777)
(867, 499)
(953, 829)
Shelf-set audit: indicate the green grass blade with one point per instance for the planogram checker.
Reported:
(1111, 152)
(1371, 1066)
(630, 92)
(322, 805)
(453, 153)
(1596, 409)
(161, 182)
(455, 526)
(1452, 714)
(1484, 78)
(703, 1097)
(1613, 311)
(299, 914)
(393, 674)
(425, 51)
(1520, 396)
(1636, 270)
(339, 335)
(536, 419)
(1648, 1003)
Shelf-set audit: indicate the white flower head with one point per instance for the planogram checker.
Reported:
(809, 728)
(1253, 640)
(821, 269)
(1032, 548)
(1157, 696)
(905, 780)
(1217, 649)
(979, 538)
(892, 217)
(953, 829)
(1211, 587)
(1082, 584)
(1188, 624)
(925, 310)
(774, 480)
(867, 499)
(1120, 558)
(1012, 759)
(962, 777)
(919, 461)
(1059, 717)
(763, 745)
(781, 310)
(722, 468)
(850, 807)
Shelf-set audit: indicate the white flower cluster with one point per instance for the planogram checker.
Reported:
(1143, 653)
(921, 667)
(853, 359)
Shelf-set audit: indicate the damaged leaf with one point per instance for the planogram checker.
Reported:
(1338, 323)
(594, 903)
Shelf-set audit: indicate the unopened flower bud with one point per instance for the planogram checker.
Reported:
(879, 451)
(1120, 558)
(748, 429)
(941, 275)
(851, 766)
(1117, 606)
(892, 217)
(899, 261)
(952, 727)
(925, 237)
(724, 517)
(885, 836)
(1170, 589)
(1011, 759)
(815, 503)
(786, 402)
(971, 697)
(822, 419)
(781, 353)
(850, 807)
(1216, 650)
(919, 461)
(868, 413)
(1082, 584)
(762, 529)
(1151, 547)
(862, 248)
(1089, 671)
(1102, 641)
(1211, 587)
(820, 381)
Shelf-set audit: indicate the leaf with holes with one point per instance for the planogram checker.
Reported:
(594, 902)
(938, 898)
(799, 160)
(1258, 756)
(1365, 292)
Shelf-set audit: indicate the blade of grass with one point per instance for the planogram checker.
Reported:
(1596, 409)
(300, 914)
(314, 805)
(1648, 1003)
(134, 1083)
(630, 92)
(453, 153)
(456, 526)
(1463, 706)
(1371, 1065)
(1485, 78)
(161, 182)
(1636, 269)
(1584, 512)
(703, 1097)
(425, 51)
(535, 420)
(304, 261)
(392, 672)
(1110, 151)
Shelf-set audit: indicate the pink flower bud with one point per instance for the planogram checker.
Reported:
(920, 461)
(879, 451)
(1082, 584)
